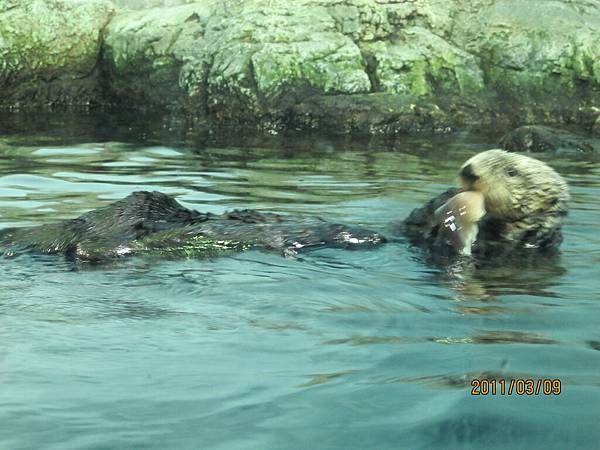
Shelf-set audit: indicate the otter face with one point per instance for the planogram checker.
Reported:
(515, 186)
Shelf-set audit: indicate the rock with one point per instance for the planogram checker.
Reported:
(423, 64)
(540, 57)
(360, 20)
(476, 61)
(435, 15)
(143, 4)
(246, 63)
(153, 58)
(235, 61)
(49, 52)
(596, 127)
(268, 59)
(280, 64)
(536, 139)
(375, 114)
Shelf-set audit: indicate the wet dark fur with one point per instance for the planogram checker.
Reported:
(159, 221)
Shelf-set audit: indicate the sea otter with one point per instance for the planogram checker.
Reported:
(507, 202)
(512, 202)
(154, 223)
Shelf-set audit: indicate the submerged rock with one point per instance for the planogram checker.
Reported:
(537, 139)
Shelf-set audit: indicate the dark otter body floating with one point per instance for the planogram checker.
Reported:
(152, 222)
(508, 202)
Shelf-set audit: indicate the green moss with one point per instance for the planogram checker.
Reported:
(169, 245)
(45, 44)
(329, 64)
(419, 86)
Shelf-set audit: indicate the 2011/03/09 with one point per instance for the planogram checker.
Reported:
(518, 386)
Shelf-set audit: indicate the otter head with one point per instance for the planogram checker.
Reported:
(516, 188)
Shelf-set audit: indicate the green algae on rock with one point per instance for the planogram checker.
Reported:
(49, 52)
(274, 64)
(154, 59)
(421, 64)
(540, 57)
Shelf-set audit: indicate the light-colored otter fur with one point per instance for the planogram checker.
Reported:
(525, 194)
(524, 205)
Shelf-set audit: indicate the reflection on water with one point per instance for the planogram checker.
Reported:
(333, 349)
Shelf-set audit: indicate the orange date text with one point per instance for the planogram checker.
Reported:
(516, 386)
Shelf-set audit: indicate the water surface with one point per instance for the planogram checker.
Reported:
(333, 350)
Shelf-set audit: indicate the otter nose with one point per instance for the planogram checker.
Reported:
(468, 174)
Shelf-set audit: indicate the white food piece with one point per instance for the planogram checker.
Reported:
(458, 219)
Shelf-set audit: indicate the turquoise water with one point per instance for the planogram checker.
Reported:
(334, 350)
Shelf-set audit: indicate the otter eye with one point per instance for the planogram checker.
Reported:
(512, 172)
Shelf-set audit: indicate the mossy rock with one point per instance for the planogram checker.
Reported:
(420, 63)
(49, 51)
